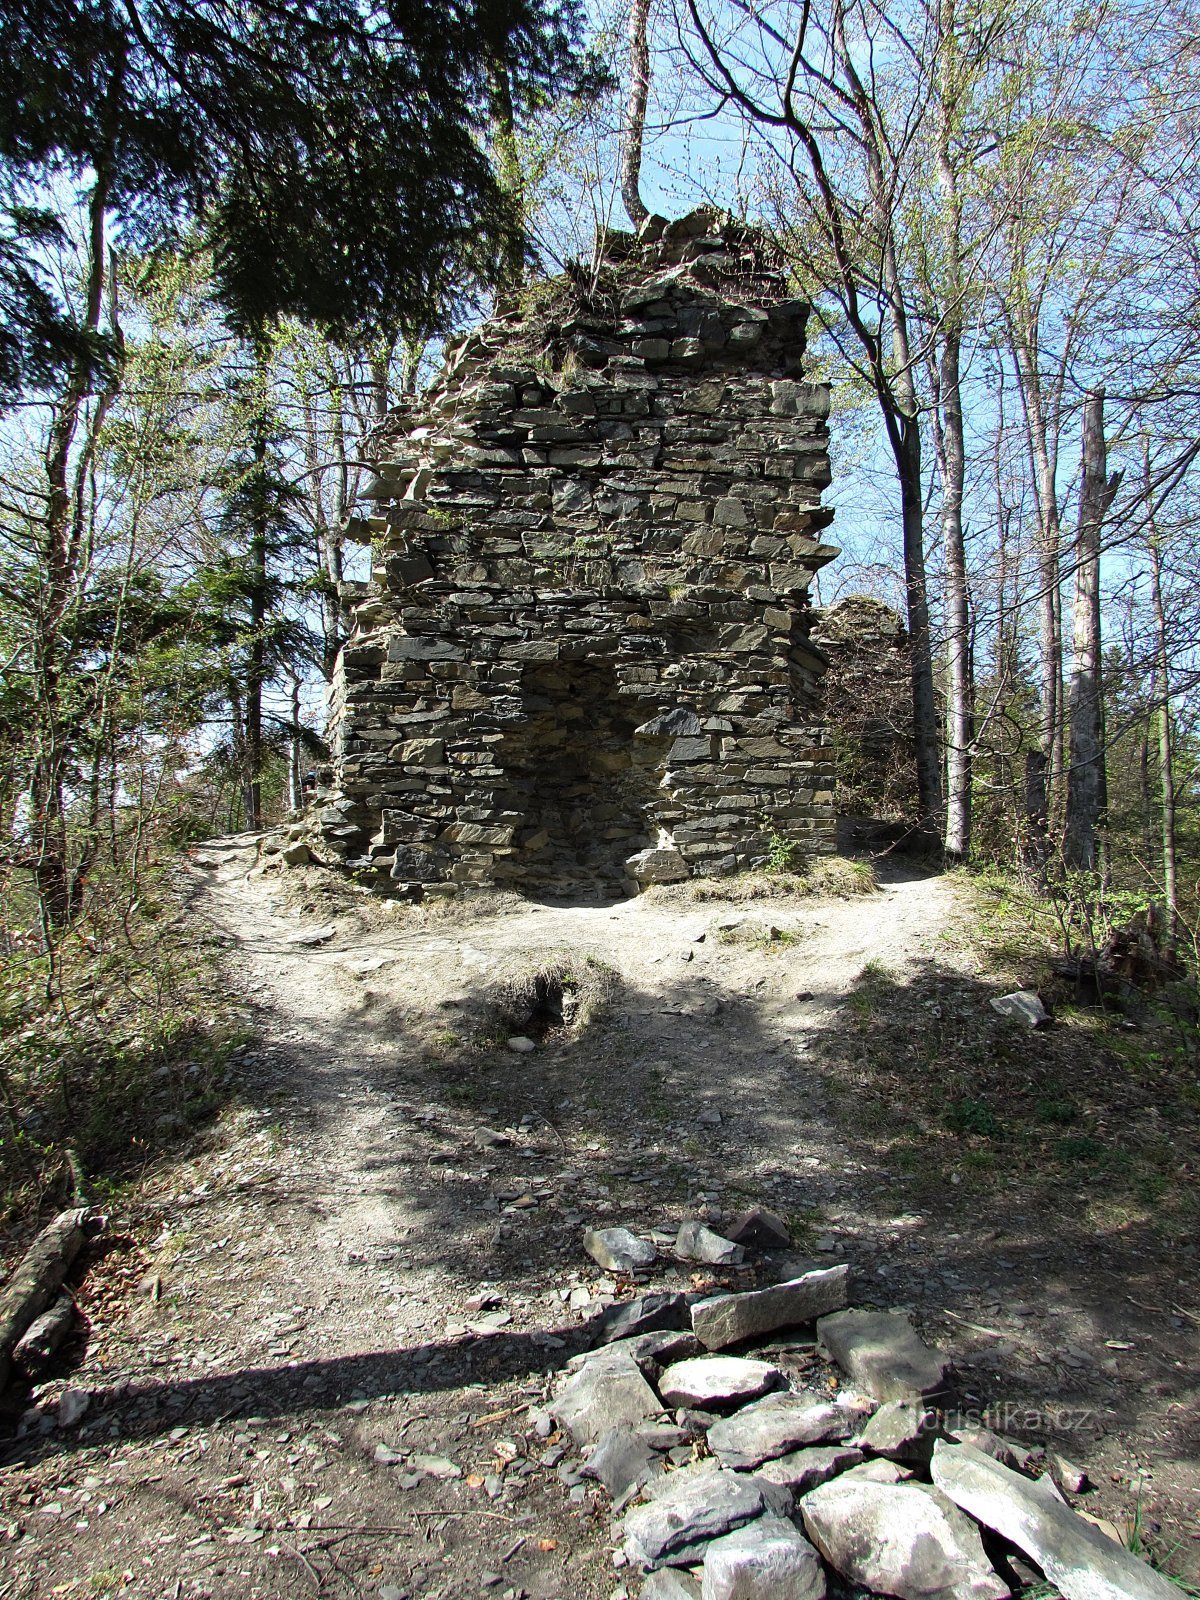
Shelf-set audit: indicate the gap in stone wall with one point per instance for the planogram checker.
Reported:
(580, 784)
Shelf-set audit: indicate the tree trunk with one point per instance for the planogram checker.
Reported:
(295, 754)
(1086, 793)
(512, 177)
(960, 730)
(1166, 742)
(1050, 640)
(924, 697)
(635, 112)
(901, 407)
(61, 549)
(959, 687)
(37, 1278)
(255, 676)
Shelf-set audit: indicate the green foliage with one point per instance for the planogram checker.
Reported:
(972, 1117)
(783, 855)
(336, 158)
(114, 1048)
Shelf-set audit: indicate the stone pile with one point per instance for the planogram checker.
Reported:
(746, 1477)
(583, 660)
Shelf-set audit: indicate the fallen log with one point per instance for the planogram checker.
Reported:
(35, 1349)
(37, 1279)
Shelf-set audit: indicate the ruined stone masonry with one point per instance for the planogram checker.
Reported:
(583, 661)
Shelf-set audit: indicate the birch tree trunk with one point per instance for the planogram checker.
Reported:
(952, 467)
(1086, 789)
(635, 112)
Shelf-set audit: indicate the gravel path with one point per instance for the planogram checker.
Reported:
(317, 1371)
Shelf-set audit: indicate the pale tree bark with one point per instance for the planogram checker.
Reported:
(1086, 788)
(1166, 737)
(1041, 440)
(634, 131)
(257, 583)
(295, 754)
(951, 450)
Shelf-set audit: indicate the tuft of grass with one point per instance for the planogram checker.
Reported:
(1079, 1147)
(807, 878)
(972, 1116)
(1059, 1112)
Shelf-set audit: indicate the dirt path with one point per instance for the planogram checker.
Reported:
(363, 1284)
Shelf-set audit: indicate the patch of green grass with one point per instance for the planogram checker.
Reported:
(875, 986)
(1060, 1113)
(804, 878)
(969, 1116)
(1079, 1147)
(804, 1225)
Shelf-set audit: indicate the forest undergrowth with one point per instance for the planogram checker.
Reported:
(113, 1046)
(1098, 1113)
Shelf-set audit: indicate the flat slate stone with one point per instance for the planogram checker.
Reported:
(1076, 1557)
(667, 1584)
(896, 1539)
(883, 1354)
(717, 1381)
(775, 1426)
(618, 1250)
(608, 1391)
(802, 1470)
(695, 1242)
(728, 1319)
(881, 1471)
(685, 1511)
(902, 1430)
(766, 1560)
(654, 1350)
(619, 1459)
(650, 1313)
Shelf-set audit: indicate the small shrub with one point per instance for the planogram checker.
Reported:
(972, 1116)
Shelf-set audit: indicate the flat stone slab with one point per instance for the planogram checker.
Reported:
(1075, 1556)
(897, 1539)
(881, 1471)
(650, 1313)
(802, 1470)
(729, 1318)
(902, 1430)
(619, 1459)
(608, 1391)
(685, 1511)
(618, 1250)
(717, 1381)
(775, 1426)
(766, 1560)
(695, 1242)
(882, 1353)
(654, 1350)
(667, 1584)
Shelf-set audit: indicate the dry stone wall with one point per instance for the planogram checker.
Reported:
(583, 661)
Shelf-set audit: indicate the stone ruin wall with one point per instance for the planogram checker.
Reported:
(583, 660)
